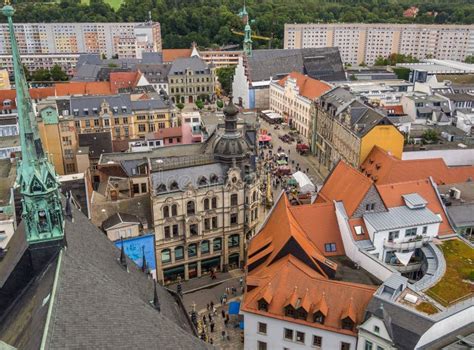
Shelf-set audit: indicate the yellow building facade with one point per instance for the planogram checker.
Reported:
(387, 137)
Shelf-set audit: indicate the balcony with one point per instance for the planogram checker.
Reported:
(411, 267)
(411, 244)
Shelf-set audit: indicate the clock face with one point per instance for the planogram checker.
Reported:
(42, 214)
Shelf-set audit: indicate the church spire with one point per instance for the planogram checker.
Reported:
(42, 210)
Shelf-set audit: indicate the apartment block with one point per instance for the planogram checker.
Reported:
(67, 61)
(360, 42)
(126, 40)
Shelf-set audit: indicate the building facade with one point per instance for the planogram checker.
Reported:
(127, 40)
(189, 78)
(4, 79)
(360, 42)
(33, 62)
(293, 96)
(345, 128)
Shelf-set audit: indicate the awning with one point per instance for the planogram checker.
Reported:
(264, 138)
(234, 307)
(404, 258)
(282, 162)
(304, 182)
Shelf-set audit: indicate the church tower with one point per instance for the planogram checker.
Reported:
(42, 212)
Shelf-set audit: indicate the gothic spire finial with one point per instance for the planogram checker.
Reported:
(123, 259)
(144, 264)
(156, 301)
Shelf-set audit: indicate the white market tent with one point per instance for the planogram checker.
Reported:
(304, 182)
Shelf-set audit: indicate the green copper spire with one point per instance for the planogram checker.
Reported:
(248, 40)
(42, 209)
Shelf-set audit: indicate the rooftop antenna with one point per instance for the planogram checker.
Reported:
(149, 16)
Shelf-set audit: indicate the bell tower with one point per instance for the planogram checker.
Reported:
(42, 211)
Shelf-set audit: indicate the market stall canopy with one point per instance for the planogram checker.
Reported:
(234, 307)
(281, 162)
(304, 182)
(264, 138)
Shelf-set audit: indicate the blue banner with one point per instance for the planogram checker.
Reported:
(134, 248)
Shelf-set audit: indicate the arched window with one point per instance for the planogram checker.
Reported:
(206, 203)
(190, 208)
(214, 202)
(214, 179)
(179, 253)
(192, 250)
(174, 186)
(202, 181)
(254, 196)
(204, 247)
(166, 211)
(262, 305)
(161, 188)
(165, 256)
(347, 323)
(217, 244)
(174, 210)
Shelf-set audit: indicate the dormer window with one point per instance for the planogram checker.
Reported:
(301, 314)
(262, 305)
(75, 112)
(174, 186)
(161, 188)
(347, 323)
(86, 111)
(124, 109)
(289, 311)
(214, 179)
(202, 181)
(115, 110)
(359, 230)
(318, 317)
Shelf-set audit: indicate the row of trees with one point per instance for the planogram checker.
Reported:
(54, 74)
(209, 22)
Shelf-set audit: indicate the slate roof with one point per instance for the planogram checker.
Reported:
(318, 63)
(406, 327)
(155, 73)
(196, 64)
(119, 218)
(98, 143)
(97, 304)
(83, 103)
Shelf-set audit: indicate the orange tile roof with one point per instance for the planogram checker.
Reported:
(119, 80)
(320, 224)
(290, 281)
(345, 184)
(35, 93)
(358, 222)
(391, 195)
(384, 168)
(397, 109)
(281, 229)
(169, 55)
(83, 88)
(308, 87)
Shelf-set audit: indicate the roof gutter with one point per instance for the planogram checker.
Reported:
(51, 302)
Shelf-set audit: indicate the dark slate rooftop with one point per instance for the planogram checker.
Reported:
(98, 143)
(83, 106)
(405, 326)
(155, 73)
(95, 303)
(196, 64)
(319, 63)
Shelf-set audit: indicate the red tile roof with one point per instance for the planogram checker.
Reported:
(319, 223)
(166, 133)
(83, 88)
(345, 184)
(280, 230)
(391, 195)
(397, 109)
(35, 93)
(169, 55)
(291, 282)
(308, 87)
(384, 168)
(119, 80)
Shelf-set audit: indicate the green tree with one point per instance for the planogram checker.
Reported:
(180, 106)
(57, 74)
(430, 135)
(219, 104)
(380, 61)
(199, 104)
(225, 75)
(469, 59)
(41, 75)
(27, 72)
(402, 72)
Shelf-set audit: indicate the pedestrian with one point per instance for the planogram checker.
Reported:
(212, 327)
(223, 335)
(224, 301)
(210, 317)
(223, 313)
(211, 341)
(212, 305)
(204, 320)
(207, 307)
(226, 321)
(227, 317)
(214, 309)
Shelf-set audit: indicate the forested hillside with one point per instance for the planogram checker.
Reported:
(209, 22)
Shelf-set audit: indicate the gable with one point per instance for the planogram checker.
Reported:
(372, 322)
(371, 197)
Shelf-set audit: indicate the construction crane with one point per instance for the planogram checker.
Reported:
(257, 37)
